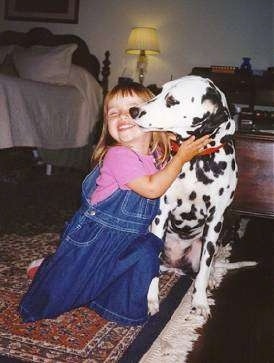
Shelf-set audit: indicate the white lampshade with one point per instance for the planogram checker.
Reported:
(143, 39)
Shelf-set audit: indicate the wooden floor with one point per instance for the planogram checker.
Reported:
(241, 328)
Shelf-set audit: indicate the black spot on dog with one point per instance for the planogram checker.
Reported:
(202, 212)
(177, 221)
(227, 139)
(186, 229)
(212, 143)
(199, 224)
(233, 164)
(185, 232)
(206, 199)
(205, 231)
(182, 175)
(201, 175)
(159, 212)
(211, 214)
(157, 221)
(190, 215)
(192, 195)
(228, 125)
(165, 199)
(208, 261)
(210, 249)
(171, 101)
(192, 99)
(212, 210)
(221, 190)
(200, 171)
(143, 113)
(232, 195)
(218, 227)
(228, 144)
(179, 202)
(209, 164)
(198, 120)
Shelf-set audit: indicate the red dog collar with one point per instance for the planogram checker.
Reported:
(175, 147)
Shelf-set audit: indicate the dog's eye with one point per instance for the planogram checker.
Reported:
(171, 101)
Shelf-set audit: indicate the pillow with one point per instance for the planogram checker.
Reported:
(44, 64)
(8, 68)
(4, 51)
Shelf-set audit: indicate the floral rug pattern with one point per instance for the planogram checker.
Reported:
(77, 336)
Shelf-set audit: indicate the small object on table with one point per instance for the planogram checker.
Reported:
(224, 69)
(246, 66)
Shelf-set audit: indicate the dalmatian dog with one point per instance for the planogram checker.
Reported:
(192, 210)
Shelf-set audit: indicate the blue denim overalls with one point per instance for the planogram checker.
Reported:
(106, 260)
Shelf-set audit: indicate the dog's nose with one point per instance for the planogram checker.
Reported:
(134, 112)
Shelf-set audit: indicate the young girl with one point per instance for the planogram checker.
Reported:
(107, 257)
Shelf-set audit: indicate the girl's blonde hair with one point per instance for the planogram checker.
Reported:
(160, 141)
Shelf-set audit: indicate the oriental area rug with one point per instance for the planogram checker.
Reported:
(77, 336)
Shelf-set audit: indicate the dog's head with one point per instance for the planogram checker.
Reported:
(191, 105)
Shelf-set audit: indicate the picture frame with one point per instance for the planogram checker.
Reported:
(54, 11)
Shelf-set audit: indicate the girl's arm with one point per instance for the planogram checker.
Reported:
(154, 186)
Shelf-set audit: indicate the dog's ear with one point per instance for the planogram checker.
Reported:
(212, 95)
(211, 120)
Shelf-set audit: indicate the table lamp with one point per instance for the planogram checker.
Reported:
(142, 41)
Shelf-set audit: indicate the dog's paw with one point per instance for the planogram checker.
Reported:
(200, 306)
(153, 306)
(152, 297)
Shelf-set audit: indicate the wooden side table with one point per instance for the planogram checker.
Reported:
(255, 190)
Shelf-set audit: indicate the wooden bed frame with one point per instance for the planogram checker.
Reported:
(81, 57)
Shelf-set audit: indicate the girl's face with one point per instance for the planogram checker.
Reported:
(122, 127)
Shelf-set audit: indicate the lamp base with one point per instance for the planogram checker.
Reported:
(141, 78)
(141, 66)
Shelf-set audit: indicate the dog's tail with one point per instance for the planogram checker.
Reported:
(235, 265)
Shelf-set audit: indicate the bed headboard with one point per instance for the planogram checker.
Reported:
(81, 57)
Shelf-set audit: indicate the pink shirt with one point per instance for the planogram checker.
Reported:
(120, 166)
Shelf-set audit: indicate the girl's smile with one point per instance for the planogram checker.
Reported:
(126, 126)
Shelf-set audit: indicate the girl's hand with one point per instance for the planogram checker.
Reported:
(191, 147)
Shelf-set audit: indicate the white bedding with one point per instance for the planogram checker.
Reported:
(43, 115)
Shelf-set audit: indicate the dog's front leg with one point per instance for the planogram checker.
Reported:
(153, 296)
(199, 300)
(159, 222)
(157, 228)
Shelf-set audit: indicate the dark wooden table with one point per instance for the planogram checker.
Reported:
(255, 190)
